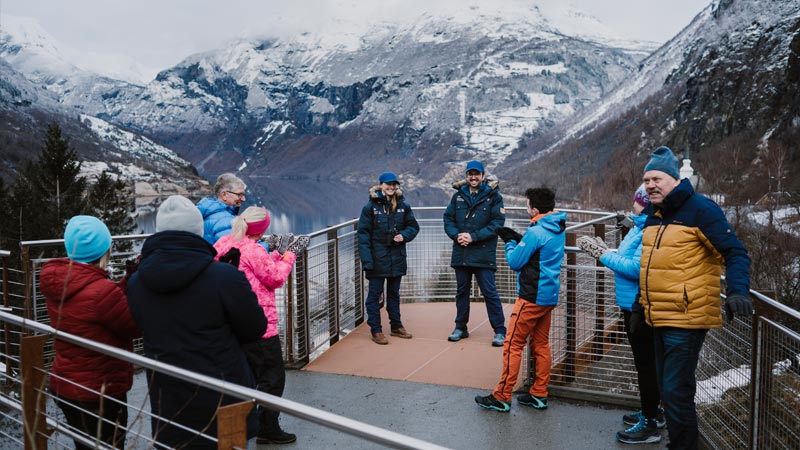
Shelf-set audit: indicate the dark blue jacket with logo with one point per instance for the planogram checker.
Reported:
(479, 216)
(381, 257)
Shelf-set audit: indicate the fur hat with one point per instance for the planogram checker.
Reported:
(86, 239)
(640, 196)
(664, 160)
(178, 213)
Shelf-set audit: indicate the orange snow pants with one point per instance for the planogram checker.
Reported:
(527, 319)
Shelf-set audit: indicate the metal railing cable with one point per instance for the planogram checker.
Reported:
(352, 427)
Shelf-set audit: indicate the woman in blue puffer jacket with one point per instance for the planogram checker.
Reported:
(625, 264)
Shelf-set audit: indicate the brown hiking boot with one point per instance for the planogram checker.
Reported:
(379, 338)
(401, 333)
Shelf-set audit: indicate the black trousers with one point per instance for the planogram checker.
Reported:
(266, 359)
(644, 358)
(84, 416)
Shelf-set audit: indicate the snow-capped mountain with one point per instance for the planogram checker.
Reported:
(726, 88)
(446, 86)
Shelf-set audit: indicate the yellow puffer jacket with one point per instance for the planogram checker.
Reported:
(685, 242)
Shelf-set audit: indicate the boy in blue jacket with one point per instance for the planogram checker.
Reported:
(536, 257)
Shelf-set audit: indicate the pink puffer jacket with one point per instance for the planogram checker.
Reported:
(265, 272)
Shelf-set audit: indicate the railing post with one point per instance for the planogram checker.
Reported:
(572, 302)
(333, 286)
(6, 327)
(599, 306)
(291, 355)
(232, 426)
(358, 280)
(28, 284)
(34, 415)
(304, 296)
(760, 372)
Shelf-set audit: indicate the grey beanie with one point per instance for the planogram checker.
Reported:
(664, 160)
(178, 213)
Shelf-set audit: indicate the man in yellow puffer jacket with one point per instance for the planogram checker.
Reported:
(686, 240)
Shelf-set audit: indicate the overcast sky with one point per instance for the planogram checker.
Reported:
(160, 33)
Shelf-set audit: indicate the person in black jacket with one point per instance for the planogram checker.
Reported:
(470, 220)
(194, 313)
(385, 226)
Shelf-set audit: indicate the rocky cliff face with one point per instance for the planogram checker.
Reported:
(725, 88)
(414, 96)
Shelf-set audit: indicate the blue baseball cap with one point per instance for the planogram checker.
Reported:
(475, 165)
(388, 177)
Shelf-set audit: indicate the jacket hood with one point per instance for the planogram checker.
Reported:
(61, 279)
(491, 181)
(209, 206)
(554, 222)
(375, 193)
(172, 259)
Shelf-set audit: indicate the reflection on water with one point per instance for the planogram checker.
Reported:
(303, 206)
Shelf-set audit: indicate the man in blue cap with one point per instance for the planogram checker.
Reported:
(685, 238)
(470, 220)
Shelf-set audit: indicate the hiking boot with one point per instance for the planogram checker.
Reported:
(297, 244)
(498, 339)
(489, 402)
(532, 401)
(644, 432)
(379, 338)
(401, 333)
(278, 437)
(457, 335)
(636, 416)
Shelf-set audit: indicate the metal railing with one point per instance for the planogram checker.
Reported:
(323, 301)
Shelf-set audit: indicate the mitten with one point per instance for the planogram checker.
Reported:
(508, 234)
(298, 244)
(283, 242)
(595, 247)
(738, 304)
(272, 241)
(232, 257)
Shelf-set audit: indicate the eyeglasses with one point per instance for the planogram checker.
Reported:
(238, 194)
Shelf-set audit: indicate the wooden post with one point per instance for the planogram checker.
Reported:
(333, 287)
(358, 279)
(34, 415)
(232, 426)
(572, 310)
(599, 306)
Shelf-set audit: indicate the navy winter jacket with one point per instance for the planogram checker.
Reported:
(194, 313)
(537, 259)
(479, 216)
(381, 257)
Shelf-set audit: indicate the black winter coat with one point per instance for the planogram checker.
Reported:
(479, 216)
(194, 313)
(381, 257)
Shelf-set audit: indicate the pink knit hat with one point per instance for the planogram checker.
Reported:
(259, 227)
(641, 197)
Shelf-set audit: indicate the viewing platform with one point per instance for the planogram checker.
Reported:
(418, 393)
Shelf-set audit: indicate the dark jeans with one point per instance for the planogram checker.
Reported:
(83, 416)
(494, 307)
(266, 359)
(677, 351)
(644, 359)
(392, 303)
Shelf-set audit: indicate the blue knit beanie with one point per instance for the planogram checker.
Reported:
(86, 239)
(664, 160)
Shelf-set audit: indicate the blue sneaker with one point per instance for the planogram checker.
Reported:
(644, 432)
(533, 401)
(489, 402)
(636, 416)
(458, 334)
(498, 339)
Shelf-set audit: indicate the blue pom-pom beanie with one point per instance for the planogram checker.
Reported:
(86, 239)
(664, 160)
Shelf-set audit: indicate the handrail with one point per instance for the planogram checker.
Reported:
(324, 418)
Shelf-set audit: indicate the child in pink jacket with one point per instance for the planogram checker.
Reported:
(266, 272)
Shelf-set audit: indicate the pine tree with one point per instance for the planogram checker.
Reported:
(110, 201)
(48, 191)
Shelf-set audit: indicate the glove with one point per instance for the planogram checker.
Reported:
(232, 257)
(508, 235)
(636, 321)
(282, 242)
(272, 242)
(594, 246)
(297, 244)
(738, 304)
(131, 265)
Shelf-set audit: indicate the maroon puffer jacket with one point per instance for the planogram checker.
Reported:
(81, 300)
